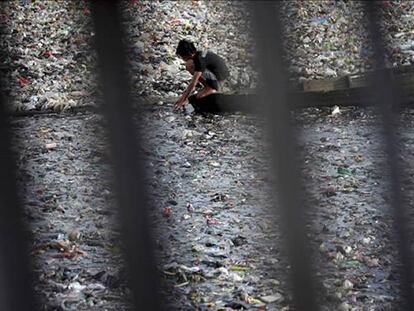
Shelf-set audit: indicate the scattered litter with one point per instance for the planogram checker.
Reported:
(51, 146)
(167, 211)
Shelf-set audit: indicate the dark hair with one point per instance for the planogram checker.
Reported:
(185, 48)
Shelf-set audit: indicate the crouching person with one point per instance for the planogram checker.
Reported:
(206, 67)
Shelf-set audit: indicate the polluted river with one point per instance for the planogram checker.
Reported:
(214, 203)
(214, 209)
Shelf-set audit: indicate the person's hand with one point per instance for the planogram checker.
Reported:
(180, 103)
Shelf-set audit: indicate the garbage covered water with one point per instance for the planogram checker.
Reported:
(218, 235)
(213, 204)
(66, 193)
(49, 58)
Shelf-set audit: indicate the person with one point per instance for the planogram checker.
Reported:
(206, 67)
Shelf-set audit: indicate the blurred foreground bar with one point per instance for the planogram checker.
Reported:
(128, 161)
(16, 292)
(16, 281)
(16, 278)
(274, 101)
(385, 95)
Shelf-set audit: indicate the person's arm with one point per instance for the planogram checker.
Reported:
(184, 97)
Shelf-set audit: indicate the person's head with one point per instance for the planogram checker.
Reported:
(186, 49)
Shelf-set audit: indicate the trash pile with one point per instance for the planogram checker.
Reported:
(329, 38)
(155, 28)
(48, 60)
(212, 209)
(219, 245)
(66, 194)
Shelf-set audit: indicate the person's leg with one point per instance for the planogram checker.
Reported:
(204, 105)
(207, 90)
(210, 82)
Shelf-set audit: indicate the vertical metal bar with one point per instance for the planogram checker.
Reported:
(129, 167)
(16, 277)
(267, 33)
(384, 94)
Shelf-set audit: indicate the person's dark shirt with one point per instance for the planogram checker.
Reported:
(211, 61)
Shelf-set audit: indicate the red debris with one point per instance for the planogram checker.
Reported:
(73, 253)
(47, 53)
(330, 191)
(212, 221)
(167, 212)
(23, 81)
(386, 4)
